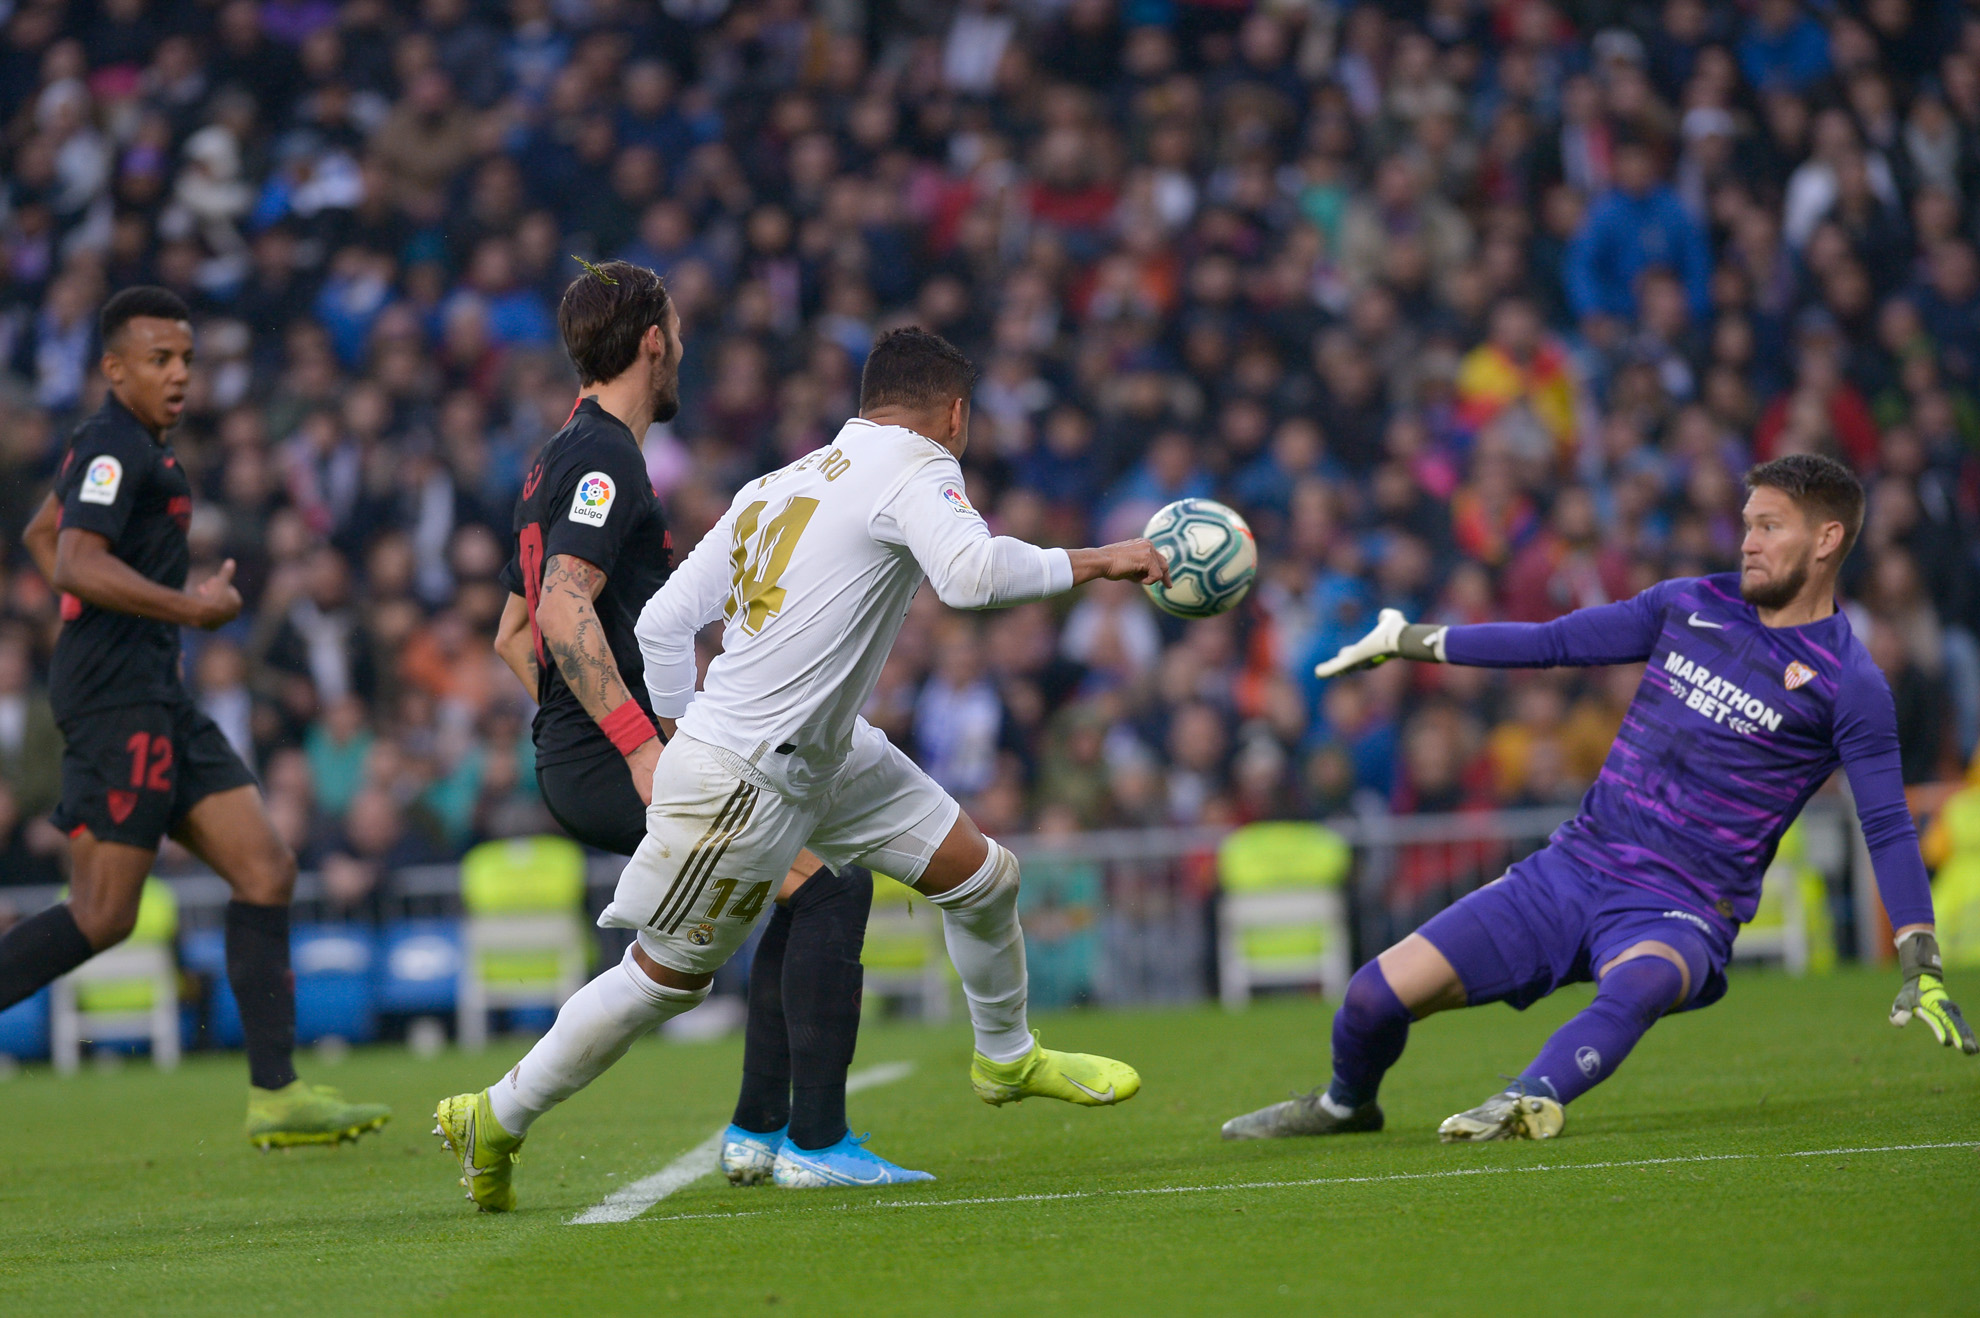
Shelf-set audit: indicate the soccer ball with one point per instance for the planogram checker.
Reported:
(1211, 555)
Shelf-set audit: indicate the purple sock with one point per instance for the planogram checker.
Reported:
(1589, 1048)
(1370, 1030)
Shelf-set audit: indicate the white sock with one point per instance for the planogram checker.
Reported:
(980, 925)
(593, 1030)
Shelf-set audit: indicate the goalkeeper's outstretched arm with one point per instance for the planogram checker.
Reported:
(1622, 633)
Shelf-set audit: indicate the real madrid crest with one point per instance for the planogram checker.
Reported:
(702, 935)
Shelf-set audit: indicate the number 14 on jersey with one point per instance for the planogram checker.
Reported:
(759, 558)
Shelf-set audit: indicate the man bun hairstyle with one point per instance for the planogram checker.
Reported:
(913, 368)
(605, 313)
(1824, 490)
(139, 302)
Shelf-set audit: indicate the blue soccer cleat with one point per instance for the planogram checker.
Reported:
(748, 1157)
(844, 1163)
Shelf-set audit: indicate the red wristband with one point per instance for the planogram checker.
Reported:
(628, 727)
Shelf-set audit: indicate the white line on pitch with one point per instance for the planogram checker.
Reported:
(629, 1201)
(844, 1206)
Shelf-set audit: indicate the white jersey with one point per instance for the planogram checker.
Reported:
(813, 568)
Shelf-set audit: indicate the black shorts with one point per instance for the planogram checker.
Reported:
(133, 773)
(595, 801)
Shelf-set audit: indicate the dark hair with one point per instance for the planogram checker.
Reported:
(143, 301)
(1824, 490)
(913, 368)
(605, 313)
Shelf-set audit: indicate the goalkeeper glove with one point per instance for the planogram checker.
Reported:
(1924, 993)
(1394, 637)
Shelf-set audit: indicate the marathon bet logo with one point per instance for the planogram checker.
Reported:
(1718, 699)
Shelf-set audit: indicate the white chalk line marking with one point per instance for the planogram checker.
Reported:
(629, 1201)
(1328, 1180)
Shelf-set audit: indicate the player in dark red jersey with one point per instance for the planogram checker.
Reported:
(142, 761)
(591, 547)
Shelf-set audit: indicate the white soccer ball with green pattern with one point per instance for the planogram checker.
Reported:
(1211, 555)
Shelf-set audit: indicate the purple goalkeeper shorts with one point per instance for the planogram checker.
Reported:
(1548, 922)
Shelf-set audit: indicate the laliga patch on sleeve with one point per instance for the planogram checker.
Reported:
(958, 504)
(102, 481)
(592, 502)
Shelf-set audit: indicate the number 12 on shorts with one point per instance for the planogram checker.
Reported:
(157, 752)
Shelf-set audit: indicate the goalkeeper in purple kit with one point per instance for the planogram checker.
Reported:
(1755, 692)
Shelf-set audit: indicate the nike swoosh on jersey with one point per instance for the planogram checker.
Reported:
(1697, 621)
(1093, 1094)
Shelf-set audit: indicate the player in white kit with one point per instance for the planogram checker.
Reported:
(812, 569)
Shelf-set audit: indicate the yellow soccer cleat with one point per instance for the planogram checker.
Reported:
(1042, 1073)
(300, 1113)
(1513, 1115)
(488, 1154)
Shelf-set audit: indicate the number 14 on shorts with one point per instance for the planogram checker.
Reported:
(743, 912)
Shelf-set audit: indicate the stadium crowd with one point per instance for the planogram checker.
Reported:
(1476, 308)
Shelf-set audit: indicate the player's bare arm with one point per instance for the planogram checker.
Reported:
(86, 568)
(574, 638)
(513, 643)
(39, 537)
(1128, 560)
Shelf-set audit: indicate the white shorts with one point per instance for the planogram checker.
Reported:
(720, 838)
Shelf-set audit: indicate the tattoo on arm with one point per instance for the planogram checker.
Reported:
(583, 658)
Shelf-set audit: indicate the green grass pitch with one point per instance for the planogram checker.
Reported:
(1673, 1190)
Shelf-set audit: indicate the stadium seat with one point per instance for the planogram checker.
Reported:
(1283, 919)
(524, 940)
(335, 995)
(419, 968)
(127, 992)
(904, 954)
(326, 959)
(1954, 842)
(1792, 924)
(24, 1028)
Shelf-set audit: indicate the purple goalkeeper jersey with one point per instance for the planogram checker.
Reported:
(1734, 726)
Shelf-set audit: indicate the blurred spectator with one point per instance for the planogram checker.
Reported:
(30, 743)
(1636, 226)
(1520, 366)
(30, 849)
(958, 718)
(375, 839)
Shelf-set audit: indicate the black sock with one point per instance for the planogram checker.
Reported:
(764, 1104)
(265, 990)
(38, 950)
(822, 982)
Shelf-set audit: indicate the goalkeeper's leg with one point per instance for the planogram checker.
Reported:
(1408, 982)
(1636, 987)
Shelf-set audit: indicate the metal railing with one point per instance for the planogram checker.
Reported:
(1141, 905)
